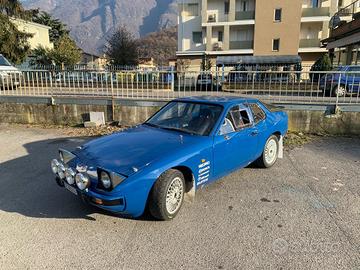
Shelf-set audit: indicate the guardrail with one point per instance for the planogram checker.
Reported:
(272, 86)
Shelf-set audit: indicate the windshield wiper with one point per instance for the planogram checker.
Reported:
(151, 125)
(178, 129)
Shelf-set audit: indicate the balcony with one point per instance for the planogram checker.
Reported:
(241, 45)
(244, 15)
(309, 43)
(316, 12)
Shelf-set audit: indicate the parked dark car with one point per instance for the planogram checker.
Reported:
(10, 76)
(342, 81)
(206, 81)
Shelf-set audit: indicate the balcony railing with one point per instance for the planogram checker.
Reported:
(309, 43)
(244, 15)
(241, 45)
(314, 12)
(349, 10)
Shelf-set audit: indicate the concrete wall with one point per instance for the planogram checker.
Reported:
(74, 112)
(346, 123)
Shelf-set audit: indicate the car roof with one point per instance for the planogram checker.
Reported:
(221, 100)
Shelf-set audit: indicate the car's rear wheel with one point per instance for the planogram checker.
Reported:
(167, 195)
(270, 153)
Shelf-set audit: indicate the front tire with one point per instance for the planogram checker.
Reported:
(167, 195)
(270, 153)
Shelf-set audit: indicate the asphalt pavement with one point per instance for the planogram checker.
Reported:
(304, 213)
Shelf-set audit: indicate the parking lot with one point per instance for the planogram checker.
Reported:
(304, 213)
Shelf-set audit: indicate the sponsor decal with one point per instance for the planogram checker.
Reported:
(204, 172)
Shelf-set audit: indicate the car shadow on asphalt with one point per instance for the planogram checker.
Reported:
(28, 186)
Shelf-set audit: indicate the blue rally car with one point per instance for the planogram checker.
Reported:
(186, 145)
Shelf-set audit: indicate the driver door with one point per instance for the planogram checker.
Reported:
(236, 142)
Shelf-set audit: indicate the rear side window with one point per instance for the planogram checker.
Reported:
(258, 113)
(239, 117)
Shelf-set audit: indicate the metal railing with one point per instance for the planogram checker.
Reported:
(241, 45)
(303, 87)
(308, 43)
(245, 15)
(349, 10)
(314, 12)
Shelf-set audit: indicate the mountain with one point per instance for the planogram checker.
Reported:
(92, 21)
(160, 45)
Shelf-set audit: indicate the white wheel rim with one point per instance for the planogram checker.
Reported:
(340, 91)
(271, 151)
(174, 195)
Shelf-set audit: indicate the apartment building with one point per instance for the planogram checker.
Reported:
(40, 33)
(254, 27)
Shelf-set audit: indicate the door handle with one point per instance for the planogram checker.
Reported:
(227, 137)
(254, 133)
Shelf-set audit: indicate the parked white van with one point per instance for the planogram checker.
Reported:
(10, 76)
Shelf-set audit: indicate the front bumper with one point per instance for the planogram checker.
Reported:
(115, 204)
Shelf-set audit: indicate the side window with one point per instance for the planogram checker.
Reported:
(355, 71)
(237, 118)
(258, 113)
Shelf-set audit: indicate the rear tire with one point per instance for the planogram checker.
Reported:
(167, 195)
(270, 153)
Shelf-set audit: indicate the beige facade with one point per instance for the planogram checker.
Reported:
(267, 29)
(93, 61)
(40, 33)
(251, 27)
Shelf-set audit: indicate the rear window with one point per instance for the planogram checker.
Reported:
(258, 113)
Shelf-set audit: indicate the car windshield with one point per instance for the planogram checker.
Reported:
(4, 61)
(187, 117)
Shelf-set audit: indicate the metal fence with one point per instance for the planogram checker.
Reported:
(273, 86)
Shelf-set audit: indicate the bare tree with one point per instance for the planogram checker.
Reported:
(122, 48)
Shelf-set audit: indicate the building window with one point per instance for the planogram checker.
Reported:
(197, 37)
(220, 36)
(315, 3)
(244, 5)
(226, 7)
(191, 10)
(277, 15)
(341, 3)
(276, 45)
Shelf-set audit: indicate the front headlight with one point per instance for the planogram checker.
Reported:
(70, 176)
(109, 180)
(61, 171)
(82, 181)
(105, 180)
(54, 166)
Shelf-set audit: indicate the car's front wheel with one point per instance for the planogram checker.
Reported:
(270, 153)
(167, 195)
(339, 90)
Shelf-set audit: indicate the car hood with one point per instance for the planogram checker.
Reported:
(9, 69)
(131, 150)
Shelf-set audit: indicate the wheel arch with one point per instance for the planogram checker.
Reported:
(189, 181)
(277, 134)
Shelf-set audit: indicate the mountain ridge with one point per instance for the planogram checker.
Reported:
(91, 22)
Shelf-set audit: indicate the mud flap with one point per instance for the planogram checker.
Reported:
(281, 147)
(189, 196)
